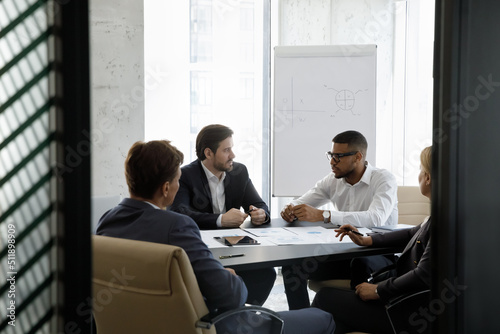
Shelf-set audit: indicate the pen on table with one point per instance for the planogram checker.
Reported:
(230, 256)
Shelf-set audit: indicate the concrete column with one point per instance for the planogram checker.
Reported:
(117, 91)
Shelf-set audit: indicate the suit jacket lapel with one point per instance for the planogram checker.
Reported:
(227, 191)
(206, 187)
(422, 230)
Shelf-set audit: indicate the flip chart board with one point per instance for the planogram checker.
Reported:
(319, 91)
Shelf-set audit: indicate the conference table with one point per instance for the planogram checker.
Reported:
(266, 254)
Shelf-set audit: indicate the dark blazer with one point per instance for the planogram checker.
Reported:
(413, 266)
(138, 220)
(195, 200)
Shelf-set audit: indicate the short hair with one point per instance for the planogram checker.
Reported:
(426, 159)
(354, 139)
(210, 137)
(149, 165)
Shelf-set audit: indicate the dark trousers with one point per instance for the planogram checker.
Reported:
(259, 283)
(351, 313)
(295, 276)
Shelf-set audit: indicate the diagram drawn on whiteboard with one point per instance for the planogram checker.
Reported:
(289, 107)
(296, 108)
(346, 99)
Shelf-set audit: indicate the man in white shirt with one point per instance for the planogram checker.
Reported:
(362, 195)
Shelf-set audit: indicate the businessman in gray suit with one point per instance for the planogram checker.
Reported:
(152, 171)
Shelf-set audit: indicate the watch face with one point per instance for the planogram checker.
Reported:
(326, 216)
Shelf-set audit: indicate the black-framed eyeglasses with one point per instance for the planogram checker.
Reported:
(336, 156)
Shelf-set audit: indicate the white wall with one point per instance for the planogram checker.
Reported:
(372, 22)
(304, 23)
(117, 92)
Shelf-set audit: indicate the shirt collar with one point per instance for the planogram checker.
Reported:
(210, 175)
(367, 175)
(153, 205)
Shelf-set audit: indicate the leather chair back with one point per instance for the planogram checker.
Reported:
(413, 207)
(143, 287)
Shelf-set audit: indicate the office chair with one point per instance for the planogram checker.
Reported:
(144, 287)
(413, 207)
(403, 313)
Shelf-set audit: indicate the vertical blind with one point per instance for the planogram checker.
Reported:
(26, 238)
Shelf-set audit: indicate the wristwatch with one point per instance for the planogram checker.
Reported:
(326, 216)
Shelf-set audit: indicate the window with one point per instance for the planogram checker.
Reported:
(201, 30)
(216, 63)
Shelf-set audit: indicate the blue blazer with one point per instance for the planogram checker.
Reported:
(195, 200)
(138, 220)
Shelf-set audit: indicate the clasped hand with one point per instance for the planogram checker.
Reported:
(235, 217)
(257, 215)
(302, 212)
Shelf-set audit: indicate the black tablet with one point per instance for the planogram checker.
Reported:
(237, 240)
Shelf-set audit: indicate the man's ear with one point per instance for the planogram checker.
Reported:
(359, 156)
(208, 152)
(164, 188)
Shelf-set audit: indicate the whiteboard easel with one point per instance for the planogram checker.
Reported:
(319, 91)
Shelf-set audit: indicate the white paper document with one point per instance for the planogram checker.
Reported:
(269, 231)
(278, 236)
(304, 236)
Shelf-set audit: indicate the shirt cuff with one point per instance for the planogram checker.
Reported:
(219, 221)
(337, 217)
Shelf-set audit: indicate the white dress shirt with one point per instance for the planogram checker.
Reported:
(218, 193)
(370, 202)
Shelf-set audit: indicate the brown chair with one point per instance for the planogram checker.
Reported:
(144, 287)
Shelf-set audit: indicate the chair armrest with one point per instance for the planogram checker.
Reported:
(409, 297)
(400, 310)
(207, 321)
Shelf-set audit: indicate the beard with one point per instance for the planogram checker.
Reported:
(340, 174)
(224, 167)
